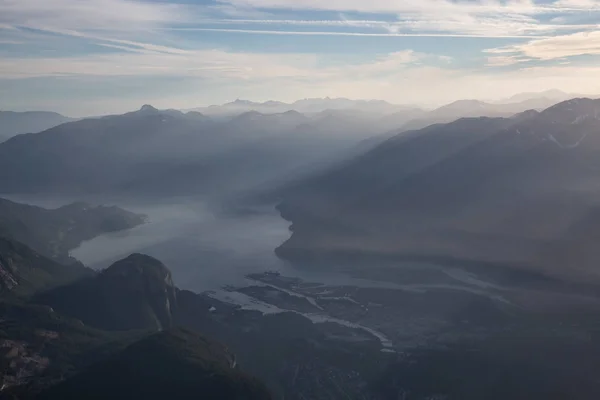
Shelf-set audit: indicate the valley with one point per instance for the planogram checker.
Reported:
(299, 200)
(443, 253)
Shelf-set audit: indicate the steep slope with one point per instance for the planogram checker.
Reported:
(512, 191)
(134, 293)
(53, 232)
(286, 350)
(23, 271)
(174, 364)
(153, 152)
(90, 154)
(15, 123)
(476, 108)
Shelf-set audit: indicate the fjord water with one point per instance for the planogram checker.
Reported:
(205, 248)
(208, 247)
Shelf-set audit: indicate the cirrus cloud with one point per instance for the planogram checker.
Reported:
(558, 47)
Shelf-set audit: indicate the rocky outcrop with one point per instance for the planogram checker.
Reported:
(24, 271)
(134, 293)
(144, 284)
(175, 364)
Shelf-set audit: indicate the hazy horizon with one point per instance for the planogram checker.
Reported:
(423, 106)
(104, 57)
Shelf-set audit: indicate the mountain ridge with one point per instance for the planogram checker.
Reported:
(476, 189)
(156, 152)
(136, 292)
(54, 232)
(13, 123)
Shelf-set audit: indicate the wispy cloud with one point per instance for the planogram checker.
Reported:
(558, 47)
(460, 19)
(484, 18)
(129, 45)
(422, 6)
(460, 27)
(127, 25)
(503, 61)
(364, 34)
(212, 64)
(90, 14)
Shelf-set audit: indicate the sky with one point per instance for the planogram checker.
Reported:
(94, 57)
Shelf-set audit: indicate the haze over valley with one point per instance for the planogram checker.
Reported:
(298, 199)
(346, 225)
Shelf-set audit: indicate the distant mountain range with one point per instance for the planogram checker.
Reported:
(517, 191)
(517, 103)
(553, 94)
(476, 108)
(239, 147)
(171, 152)
(397, 117)
(15, 123)
(305, 106)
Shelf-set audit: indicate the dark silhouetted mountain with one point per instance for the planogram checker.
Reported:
(511, 191)
(15, 123)
(23, 271)
(134, 293)
(286, 350)
(175, 364)
(158, 152)
(40, 347)
(148, 109)
(53, 233)
(95, 154)
(525, 115)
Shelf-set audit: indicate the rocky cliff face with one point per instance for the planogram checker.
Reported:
(141, 285)
(24, 271)
(134, 293)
